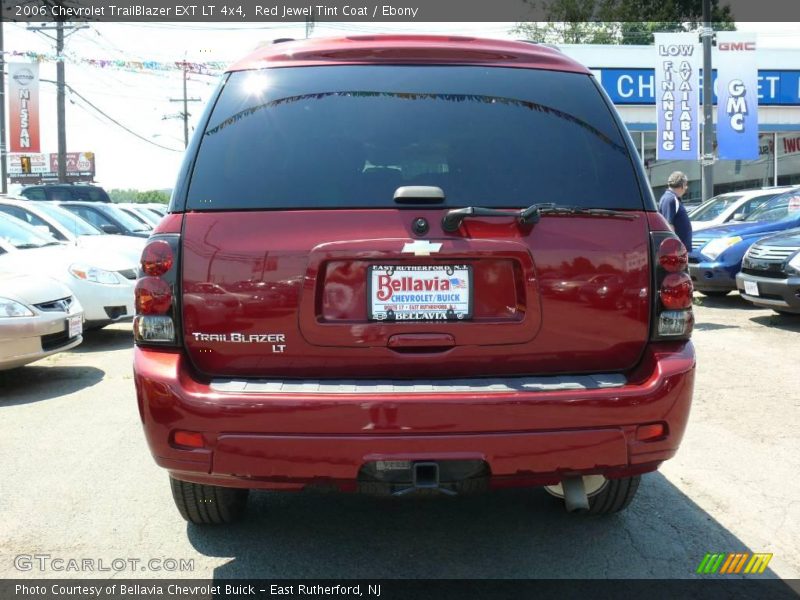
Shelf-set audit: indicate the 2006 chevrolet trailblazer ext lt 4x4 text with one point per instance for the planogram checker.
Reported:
(411, 264)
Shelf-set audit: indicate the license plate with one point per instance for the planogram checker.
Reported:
(751, 288)
(75, 325)
(419, 292)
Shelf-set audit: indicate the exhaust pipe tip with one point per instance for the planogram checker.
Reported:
(575, 498)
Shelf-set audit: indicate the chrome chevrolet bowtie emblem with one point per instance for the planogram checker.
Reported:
(420, 248)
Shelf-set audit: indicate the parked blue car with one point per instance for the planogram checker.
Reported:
(717, 253)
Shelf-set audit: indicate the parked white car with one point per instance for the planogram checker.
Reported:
(102, 281)
(39, 316)
(68, 227)
(726, 207)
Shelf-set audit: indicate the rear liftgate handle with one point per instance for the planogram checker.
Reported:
(421, 342)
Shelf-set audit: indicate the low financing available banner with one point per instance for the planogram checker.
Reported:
(737, 96)
(677, 96)
(23, 105)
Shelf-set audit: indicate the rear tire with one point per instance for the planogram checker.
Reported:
(208, 504)
(715, 293)
(615, 496)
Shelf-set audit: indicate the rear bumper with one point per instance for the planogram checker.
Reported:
(277, 440)
(780, 294)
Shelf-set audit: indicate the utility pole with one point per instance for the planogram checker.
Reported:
(60, 104)
(3, 149)
(61, 113)
(708, 102)
(185, 100)
(309, 26)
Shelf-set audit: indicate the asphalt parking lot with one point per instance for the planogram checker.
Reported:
(78, 483)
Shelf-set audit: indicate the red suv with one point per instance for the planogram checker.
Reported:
(411, 265)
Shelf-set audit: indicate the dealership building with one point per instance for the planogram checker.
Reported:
(627, 73)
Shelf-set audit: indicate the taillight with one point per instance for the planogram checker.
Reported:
(676, 291)
(673, 317)
(157, 258)
(672, 255)
(153, 296)
(156, 293)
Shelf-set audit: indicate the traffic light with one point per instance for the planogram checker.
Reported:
(25, 163)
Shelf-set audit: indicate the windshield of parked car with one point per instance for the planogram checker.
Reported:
(135, 214)
(124, 218)
(349, 136)
(785, 207)
(160, 211)
(72, 222)
(713, 208)
(21, 235)
(150, 216)
(100, 214)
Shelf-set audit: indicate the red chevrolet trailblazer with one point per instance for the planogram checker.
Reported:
(411, 264)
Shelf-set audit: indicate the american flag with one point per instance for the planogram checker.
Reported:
(457, 284)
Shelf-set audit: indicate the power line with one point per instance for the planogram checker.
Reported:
(110, 118)
(107, 41)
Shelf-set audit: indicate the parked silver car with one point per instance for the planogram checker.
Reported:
(39, 316)
(770, 275)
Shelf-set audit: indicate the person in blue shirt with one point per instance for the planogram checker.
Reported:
(673, 210)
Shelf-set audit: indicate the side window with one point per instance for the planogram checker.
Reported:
(38, 222)
(31, 219)
(13, 211)
(35, 194)
(753, 204)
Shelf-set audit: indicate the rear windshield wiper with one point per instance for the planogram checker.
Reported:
(525, 216)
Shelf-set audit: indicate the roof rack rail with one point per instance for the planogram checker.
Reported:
(282, 40)
(544, 44)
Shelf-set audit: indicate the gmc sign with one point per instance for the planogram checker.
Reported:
(731, 46)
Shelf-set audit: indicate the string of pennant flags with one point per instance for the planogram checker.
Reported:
(199, 68)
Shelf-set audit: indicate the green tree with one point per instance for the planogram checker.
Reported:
(118, 195)
(618, 21)
(159, 196)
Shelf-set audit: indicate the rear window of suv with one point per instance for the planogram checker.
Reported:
(92, 194)
(348, 136)
(34, 193)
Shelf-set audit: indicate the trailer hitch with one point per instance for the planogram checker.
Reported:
(425, 476)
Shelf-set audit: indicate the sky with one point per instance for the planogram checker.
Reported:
(140, 100)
